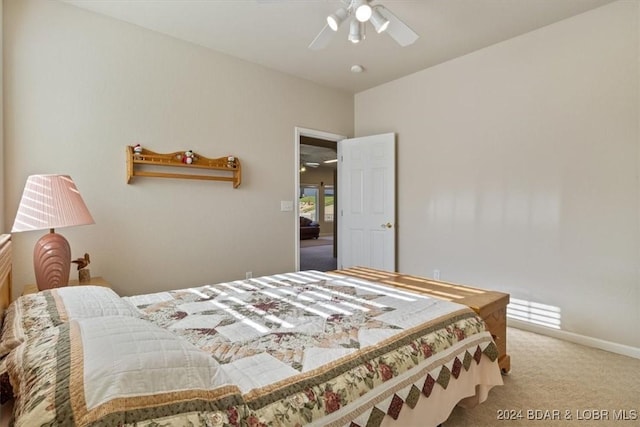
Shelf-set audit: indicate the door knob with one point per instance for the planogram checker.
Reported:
(387, 225)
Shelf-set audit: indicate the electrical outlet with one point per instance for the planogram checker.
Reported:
(248, 275)
(436, 274)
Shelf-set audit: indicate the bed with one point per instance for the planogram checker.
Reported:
(300, 348)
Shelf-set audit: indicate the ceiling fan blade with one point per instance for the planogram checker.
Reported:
(322, 39)
(398, 30)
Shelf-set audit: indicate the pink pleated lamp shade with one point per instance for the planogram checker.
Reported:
(49, 202)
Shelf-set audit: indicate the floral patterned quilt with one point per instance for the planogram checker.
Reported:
(293, 349)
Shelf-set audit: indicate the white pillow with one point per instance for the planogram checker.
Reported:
(34, 314)
(81, 302)
(114, 370)
(128, 357)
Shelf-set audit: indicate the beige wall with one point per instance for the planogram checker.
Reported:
(518, 169)
(79, 87)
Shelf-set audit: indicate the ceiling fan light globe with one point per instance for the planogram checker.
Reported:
(332, 22)
(361, 10)
(379, 22)
(335, 19)
(356, 31)
(363, 13)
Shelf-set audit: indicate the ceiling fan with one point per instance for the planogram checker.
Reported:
(358, 13)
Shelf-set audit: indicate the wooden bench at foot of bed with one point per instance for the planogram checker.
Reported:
(491, 306)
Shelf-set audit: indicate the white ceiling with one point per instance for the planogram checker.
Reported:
(276, 33)
(315, 154)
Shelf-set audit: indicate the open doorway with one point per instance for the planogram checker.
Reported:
(317, 186)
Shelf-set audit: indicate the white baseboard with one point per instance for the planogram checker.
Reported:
(613, 347)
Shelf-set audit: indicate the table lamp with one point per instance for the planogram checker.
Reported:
(49, 202)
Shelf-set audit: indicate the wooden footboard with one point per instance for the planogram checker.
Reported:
(5, 272)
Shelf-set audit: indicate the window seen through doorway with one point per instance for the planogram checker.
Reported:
(309, 201)
(317, 202)
(328, 203)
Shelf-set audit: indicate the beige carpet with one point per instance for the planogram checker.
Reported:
(547, 374)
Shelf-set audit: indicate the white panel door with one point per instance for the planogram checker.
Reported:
(366, 202)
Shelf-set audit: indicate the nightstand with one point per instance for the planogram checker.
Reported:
(95, 281)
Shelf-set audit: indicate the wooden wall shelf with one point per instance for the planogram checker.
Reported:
(148, 163)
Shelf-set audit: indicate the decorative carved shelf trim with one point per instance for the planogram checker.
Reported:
(148, 163)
